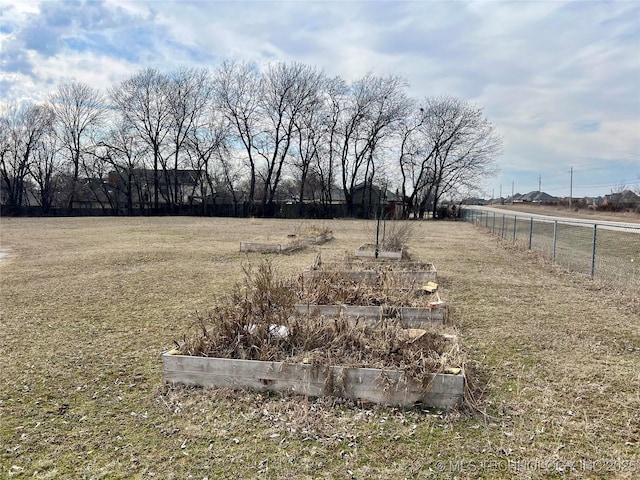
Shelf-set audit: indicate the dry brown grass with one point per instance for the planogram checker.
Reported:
(290, 232)
(308, 229)
(583, 213)
(88, 304)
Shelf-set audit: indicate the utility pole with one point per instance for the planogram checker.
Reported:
(501, 202)
(571, 188)
(512, 186)
(539, 183)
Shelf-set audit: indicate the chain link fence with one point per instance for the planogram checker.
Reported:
(608, 251)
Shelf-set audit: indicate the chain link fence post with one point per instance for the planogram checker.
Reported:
(578, 245)
(593, 251)
(555, 238)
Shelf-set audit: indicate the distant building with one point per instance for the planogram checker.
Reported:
(139, 184)
(536, 197)
(625, 199)
(474, 201)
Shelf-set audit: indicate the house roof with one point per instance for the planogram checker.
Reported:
(388, 194)
(537, 196)
(627, 196)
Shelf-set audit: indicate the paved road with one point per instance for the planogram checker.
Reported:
(607, 225)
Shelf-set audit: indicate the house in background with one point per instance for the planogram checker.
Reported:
(622, 200)
(535, 197)
(139, 183)
(367, 198)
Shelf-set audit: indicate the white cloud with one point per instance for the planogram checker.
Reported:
(558, 79)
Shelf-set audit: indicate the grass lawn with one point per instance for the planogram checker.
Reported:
(87, 306)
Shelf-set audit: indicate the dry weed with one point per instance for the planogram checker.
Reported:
(397, 235)
(307, 230)
(258, 323)
(338, 288)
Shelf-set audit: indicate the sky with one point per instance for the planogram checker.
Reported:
(560, 81)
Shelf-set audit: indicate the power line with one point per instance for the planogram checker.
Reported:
(600, 185)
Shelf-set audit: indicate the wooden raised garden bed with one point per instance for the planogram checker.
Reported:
(377, 293)
(256, 340)
(320, 239)
(388, 387)
(269, 247)
(286, 246)
(368, 250)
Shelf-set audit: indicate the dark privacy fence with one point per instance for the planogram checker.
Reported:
(605, 250)
(242, 210)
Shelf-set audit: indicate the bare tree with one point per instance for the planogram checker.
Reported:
(208, 145)
(390, 106)
(144, 103)
(189, 92)
(306, 151)
(94, 183)
(22, 129)
(227, 175)
(289, 91)
(373, 106)
(308, 131)
(124, 152)
(461, 144)
(79, 110)
(237, 92)
(415, 156)
(44, 170)
(334, 93)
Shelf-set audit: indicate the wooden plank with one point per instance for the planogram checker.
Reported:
(365, 250)
(413, 317)
(267, 247)
(389, 387)
(417, 314)
(324, 310)
(381, 254)
(350, 311)
(362, 311)
(246, 374)
(409, 277)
